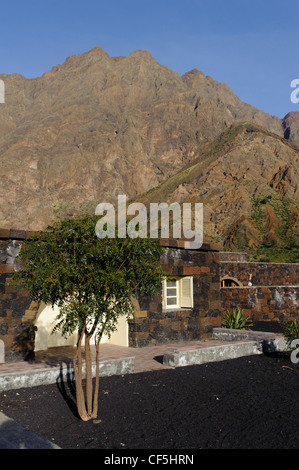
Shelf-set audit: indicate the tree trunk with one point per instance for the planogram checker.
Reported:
(88, 362)
(77, 362)
(96, 390)
(88, 410)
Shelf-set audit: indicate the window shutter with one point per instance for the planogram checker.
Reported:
(186, 292)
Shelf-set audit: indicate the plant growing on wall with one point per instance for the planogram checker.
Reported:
(290, 332)
(93, 281)
(235, 320)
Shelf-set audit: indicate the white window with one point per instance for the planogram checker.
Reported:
(178, 292)
(171, 293)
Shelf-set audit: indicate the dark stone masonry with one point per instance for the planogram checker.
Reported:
(17, 311)
(154, 325)
(260, 274)
(272, 296)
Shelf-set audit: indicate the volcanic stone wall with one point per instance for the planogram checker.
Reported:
(273, 296)
(17, 312)
(233, 257)
(271, 303)
(150, 325)
(261, 274)
(153, 325)
(267, 292)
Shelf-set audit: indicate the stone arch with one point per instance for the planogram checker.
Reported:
(229, 281)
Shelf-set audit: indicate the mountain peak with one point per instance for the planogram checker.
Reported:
(194, 73)
(97, 126)
(97, 50)
(141, 53)
(89, 57)
(292, 115)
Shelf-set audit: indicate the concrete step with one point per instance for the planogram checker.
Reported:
(216, 353)
(232, 345)
(271, 342)
(44, 375)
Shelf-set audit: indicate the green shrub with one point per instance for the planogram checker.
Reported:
(290, 331)
(235, 320)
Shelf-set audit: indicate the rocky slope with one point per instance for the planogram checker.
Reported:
(248, 182)
(97, 126)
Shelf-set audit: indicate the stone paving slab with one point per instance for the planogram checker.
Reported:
(15, 436)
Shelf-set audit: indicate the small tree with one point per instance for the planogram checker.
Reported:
(93, 281)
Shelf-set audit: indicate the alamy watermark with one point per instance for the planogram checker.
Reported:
(294, 354)
(295, 93)
(2, 92)
(160, 221)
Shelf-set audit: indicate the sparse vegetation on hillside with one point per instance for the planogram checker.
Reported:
(279, 245)
(265, 226)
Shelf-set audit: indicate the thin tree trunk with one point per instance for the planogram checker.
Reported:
(88, 362)
(77, 362)
(96, 390)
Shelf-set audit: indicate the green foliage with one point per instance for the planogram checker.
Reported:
(235, 320)
(92, 280)
(281, 246)
(70, 210)
(290, 332)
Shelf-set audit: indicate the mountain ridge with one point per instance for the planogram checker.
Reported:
(97, 126)
(231, 188)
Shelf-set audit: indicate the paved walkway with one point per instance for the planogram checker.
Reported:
(146, 359)
(149, 358)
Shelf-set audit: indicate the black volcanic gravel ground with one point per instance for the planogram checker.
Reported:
(246, 403)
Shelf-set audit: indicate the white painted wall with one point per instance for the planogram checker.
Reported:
(45, 322)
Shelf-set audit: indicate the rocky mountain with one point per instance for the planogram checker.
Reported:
(98, 126)
(247, 181)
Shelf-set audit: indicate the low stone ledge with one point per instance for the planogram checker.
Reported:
(6, 234)
(223, 352)
(49, 375)
(270, 342)
(226, 334)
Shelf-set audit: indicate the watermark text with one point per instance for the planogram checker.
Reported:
(160, 221)
(295, 93)
(2, 92)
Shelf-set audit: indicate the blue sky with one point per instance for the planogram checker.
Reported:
(252, 46)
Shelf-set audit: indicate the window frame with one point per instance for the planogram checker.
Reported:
(165, 296)
(178, 296)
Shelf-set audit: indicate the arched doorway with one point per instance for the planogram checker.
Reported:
(230, 282)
